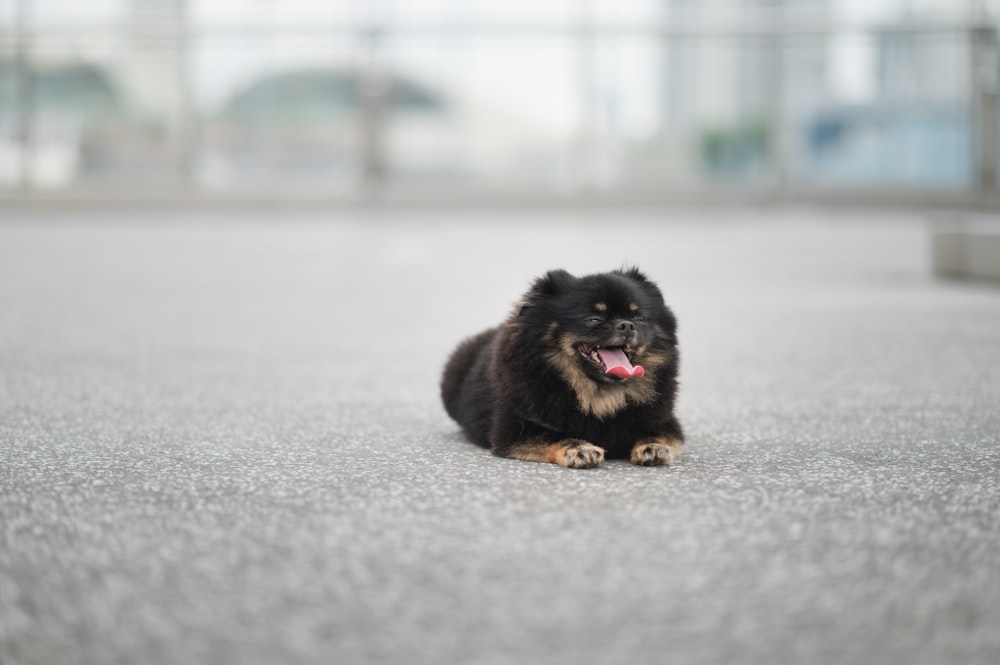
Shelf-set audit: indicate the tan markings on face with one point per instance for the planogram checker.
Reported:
(656, 450)
(598, 399)
(600, 307)
(633, 307)
(654, 357)
(651, 358)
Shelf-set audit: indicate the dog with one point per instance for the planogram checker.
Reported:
(584, 368)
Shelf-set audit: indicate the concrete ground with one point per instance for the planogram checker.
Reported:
(221, 442)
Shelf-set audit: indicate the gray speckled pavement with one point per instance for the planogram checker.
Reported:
(221, 441)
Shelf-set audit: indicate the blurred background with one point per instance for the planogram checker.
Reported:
(221, 438)
(555, 98)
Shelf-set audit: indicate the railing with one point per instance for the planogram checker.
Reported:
(737, 105)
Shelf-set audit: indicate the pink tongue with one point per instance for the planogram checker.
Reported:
(617, 363)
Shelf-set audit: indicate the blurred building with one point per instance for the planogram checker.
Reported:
(557, 97)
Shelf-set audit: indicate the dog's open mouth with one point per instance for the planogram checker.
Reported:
(613, 360)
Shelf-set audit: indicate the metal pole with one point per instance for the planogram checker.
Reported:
(590, 158)
(985, 111)
(773, 48)
(185, 131)
(24, 94)
(374, 89)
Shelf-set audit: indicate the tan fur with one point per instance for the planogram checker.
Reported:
(576, 454)
(569, 453)
(656, 451)
(652, 358)
(600, 307)
(632, 307)
(598, 399)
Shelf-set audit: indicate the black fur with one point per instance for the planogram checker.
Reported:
(523, 390)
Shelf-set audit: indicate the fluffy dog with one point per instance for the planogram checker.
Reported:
(585, 367)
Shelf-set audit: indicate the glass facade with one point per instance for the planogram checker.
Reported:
(561, 96)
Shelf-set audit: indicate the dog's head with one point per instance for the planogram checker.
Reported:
(606, 334)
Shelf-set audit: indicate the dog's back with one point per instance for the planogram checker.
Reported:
(465, 387)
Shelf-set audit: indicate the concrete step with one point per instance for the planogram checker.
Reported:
(968, 246)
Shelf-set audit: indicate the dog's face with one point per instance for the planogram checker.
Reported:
(604, 333)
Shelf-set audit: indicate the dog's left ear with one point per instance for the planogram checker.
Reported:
(549, 285)
(637, 276)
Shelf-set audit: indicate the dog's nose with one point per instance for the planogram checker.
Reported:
(625, 327)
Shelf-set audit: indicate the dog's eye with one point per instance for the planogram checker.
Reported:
(638, 318)
(593, 320)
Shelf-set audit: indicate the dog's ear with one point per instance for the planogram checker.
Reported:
(639, 278)
(549, 285)
(633, 273)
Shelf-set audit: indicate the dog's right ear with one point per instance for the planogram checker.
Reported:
(549, 285)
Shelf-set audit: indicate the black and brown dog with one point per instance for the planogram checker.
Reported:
(584, 367)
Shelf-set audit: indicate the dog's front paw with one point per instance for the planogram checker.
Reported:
(653, 453)
(577, 454)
